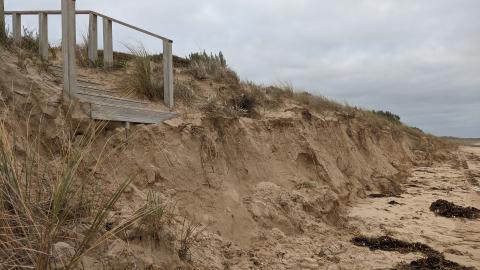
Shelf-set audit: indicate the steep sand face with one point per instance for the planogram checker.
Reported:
(213, 167)
(273, 192)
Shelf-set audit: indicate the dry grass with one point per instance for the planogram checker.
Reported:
(388, 116)
(141, 78)
(211, 106)
(43, 199)
(189, 234)
(184, 92)
(82, 55)
(205, 66)
(30, 41)
(318, 103)
(153, 222)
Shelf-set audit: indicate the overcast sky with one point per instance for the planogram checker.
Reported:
(417, 58)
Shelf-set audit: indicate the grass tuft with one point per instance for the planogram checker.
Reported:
(141, 79)
(40, 203)
(389, 116)
(205, 66)
(30, 41)
(189, 234)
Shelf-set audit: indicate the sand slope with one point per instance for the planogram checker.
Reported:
(276, 191)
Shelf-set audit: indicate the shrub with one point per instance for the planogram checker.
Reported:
(389, 116)
(244, 102)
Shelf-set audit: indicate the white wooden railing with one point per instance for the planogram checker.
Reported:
(68, 13)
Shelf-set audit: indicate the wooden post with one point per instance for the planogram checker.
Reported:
(168, 73)
(107, 44)
(43, 35)
(17, 27)
(68, 49)
(3, 33)
(92, 38)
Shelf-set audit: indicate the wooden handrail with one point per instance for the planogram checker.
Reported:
(86, 12)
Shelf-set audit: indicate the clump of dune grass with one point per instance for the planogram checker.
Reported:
(41, 203)
(82, 54)
(30, 41)
(189, 234)
(141, 77)
(205, 66)
(388, 116)
(318, 103)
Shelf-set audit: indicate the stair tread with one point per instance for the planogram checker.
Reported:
(104, 99)
(98, 89)
(128, 114)
(115, 98)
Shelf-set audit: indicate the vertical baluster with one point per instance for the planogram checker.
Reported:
(93, 38)
(107, 44)
(168, 73)
(17, 27)
(43, 35)
(68, 48)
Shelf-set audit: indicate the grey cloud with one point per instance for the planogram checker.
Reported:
(419, 59)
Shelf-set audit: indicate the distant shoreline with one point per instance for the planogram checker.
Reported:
(475, 142)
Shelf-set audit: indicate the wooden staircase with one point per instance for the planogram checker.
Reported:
(105, 103)
(108, 104)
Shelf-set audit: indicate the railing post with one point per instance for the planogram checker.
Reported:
(168, 73)
(43, 35)
(92, 38)
(17, 27)
(107, 44)
(3, 33)
(68, 49)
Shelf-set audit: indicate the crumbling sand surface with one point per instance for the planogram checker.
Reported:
(276, 191)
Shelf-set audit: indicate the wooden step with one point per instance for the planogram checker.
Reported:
(86, 82)
(81, 79)
(109, 112)
(59, 73)
(111, 100)
(96, 90)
